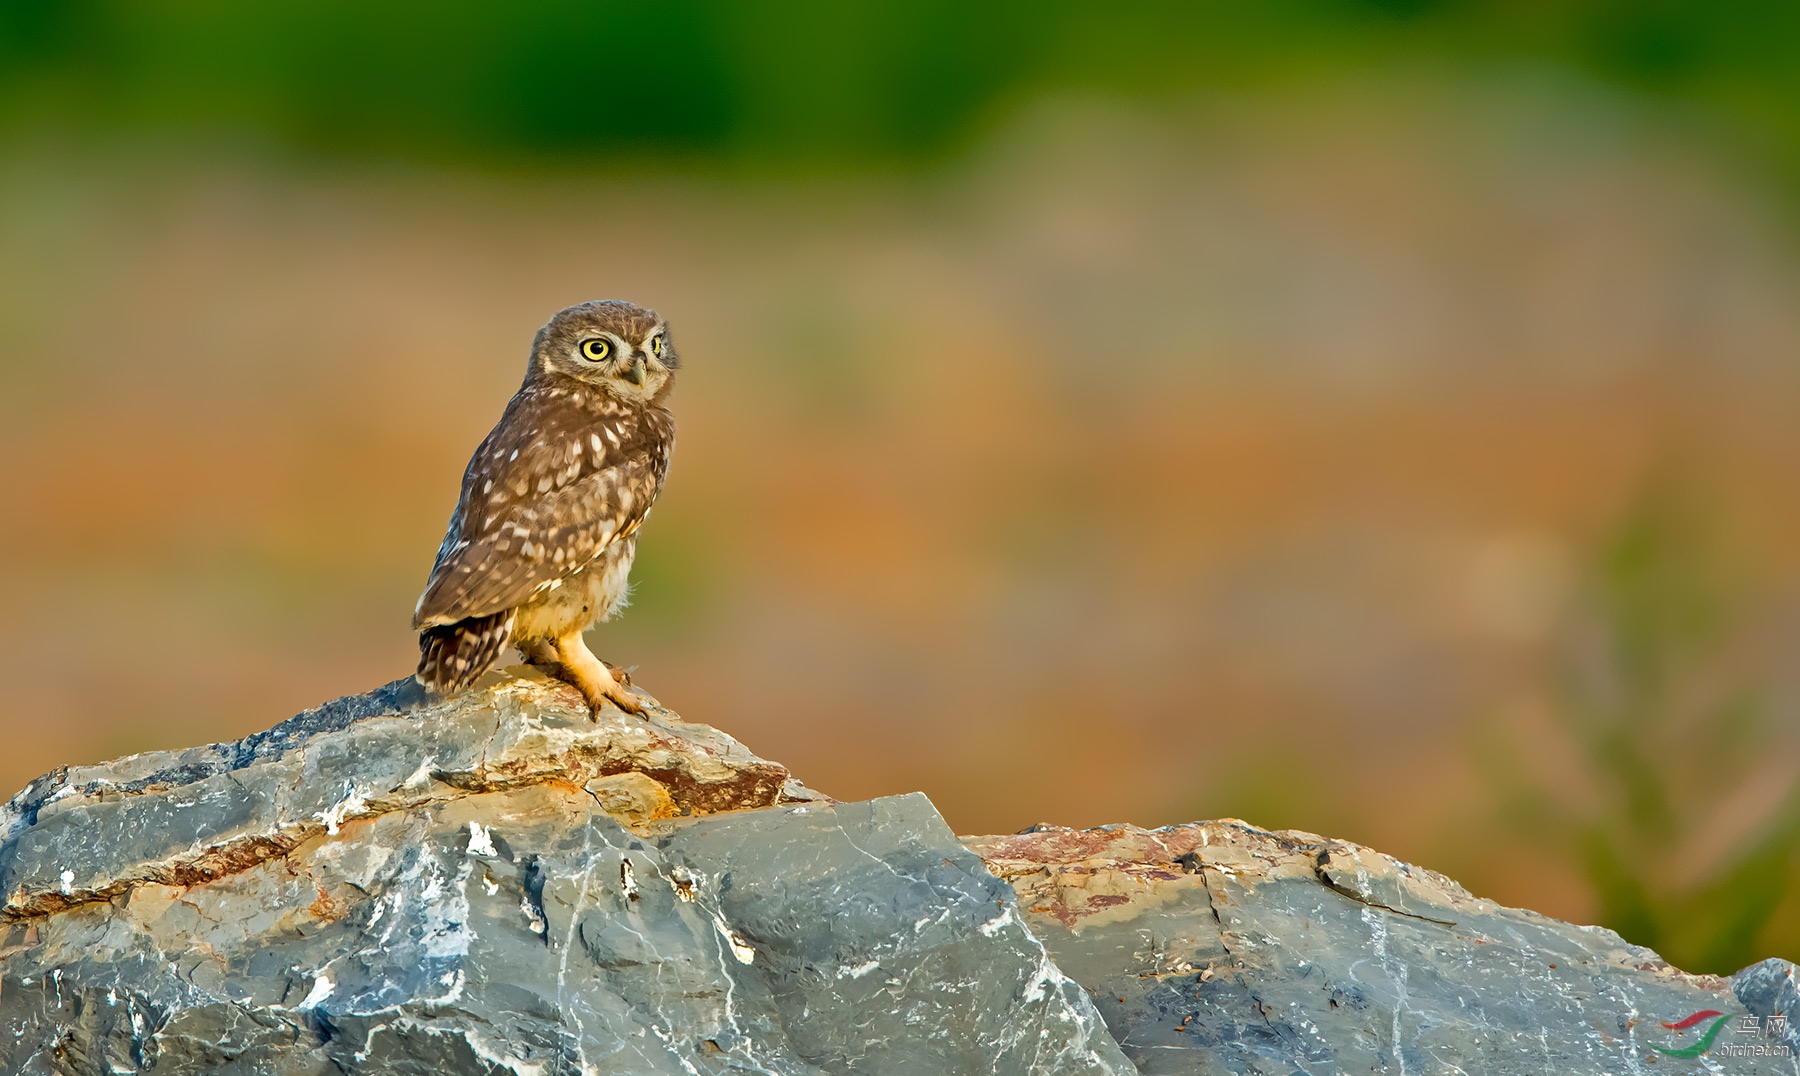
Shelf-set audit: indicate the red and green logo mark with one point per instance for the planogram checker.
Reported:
(1718, 1022)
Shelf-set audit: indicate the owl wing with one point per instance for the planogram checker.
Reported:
(540, 501)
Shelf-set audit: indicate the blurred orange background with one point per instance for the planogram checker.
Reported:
(1279, 452)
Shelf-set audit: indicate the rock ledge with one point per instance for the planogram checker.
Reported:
(498, 885)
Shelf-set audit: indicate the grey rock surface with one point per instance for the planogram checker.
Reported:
(497, 885)
(502, 886)
(1222, 948)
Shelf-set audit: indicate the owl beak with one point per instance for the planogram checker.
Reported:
(635, 375)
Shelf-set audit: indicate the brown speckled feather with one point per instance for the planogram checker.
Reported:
(545, 530)
(564, 474)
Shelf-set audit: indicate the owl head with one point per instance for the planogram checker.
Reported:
(620, 348)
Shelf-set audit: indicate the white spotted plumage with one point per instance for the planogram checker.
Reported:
(544, 533)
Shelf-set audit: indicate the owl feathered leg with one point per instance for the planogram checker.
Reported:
(541, 653)
(577, 664)
(451, 656)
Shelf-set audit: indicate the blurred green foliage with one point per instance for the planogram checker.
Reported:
(1652, 694)
(804, 81)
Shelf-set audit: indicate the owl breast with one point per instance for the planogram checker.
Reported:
(592, 594)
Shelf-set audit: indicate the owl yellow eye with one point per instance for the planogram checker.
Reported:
(596, 349)
(656, 345)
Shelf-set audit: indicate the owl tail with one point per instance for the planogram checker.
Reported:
(451, 656)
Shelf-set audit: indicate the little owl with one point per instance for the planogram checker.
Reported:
(540, 546)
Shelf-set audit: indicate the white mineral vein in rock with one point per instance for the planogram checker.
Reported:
(443, 911)
(483, 1049)
(333, 816)
(1047, 975)
(321, 989)
(532, 918)
(997, 924)
(1396, 970)
(740, 948)
(420, 776)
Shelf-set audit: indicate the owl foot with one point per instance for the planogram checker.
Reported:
(576, 664)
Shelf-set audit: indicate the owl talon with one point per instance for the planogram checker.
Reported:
(598, 694)
(625, 700)
(598, 683)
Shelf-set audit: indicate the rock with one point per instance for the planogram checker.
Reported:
(87, 833)
(499, 885)
(1222, 948)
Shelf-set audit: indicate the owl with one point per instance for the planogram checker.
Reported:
(541, 543)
